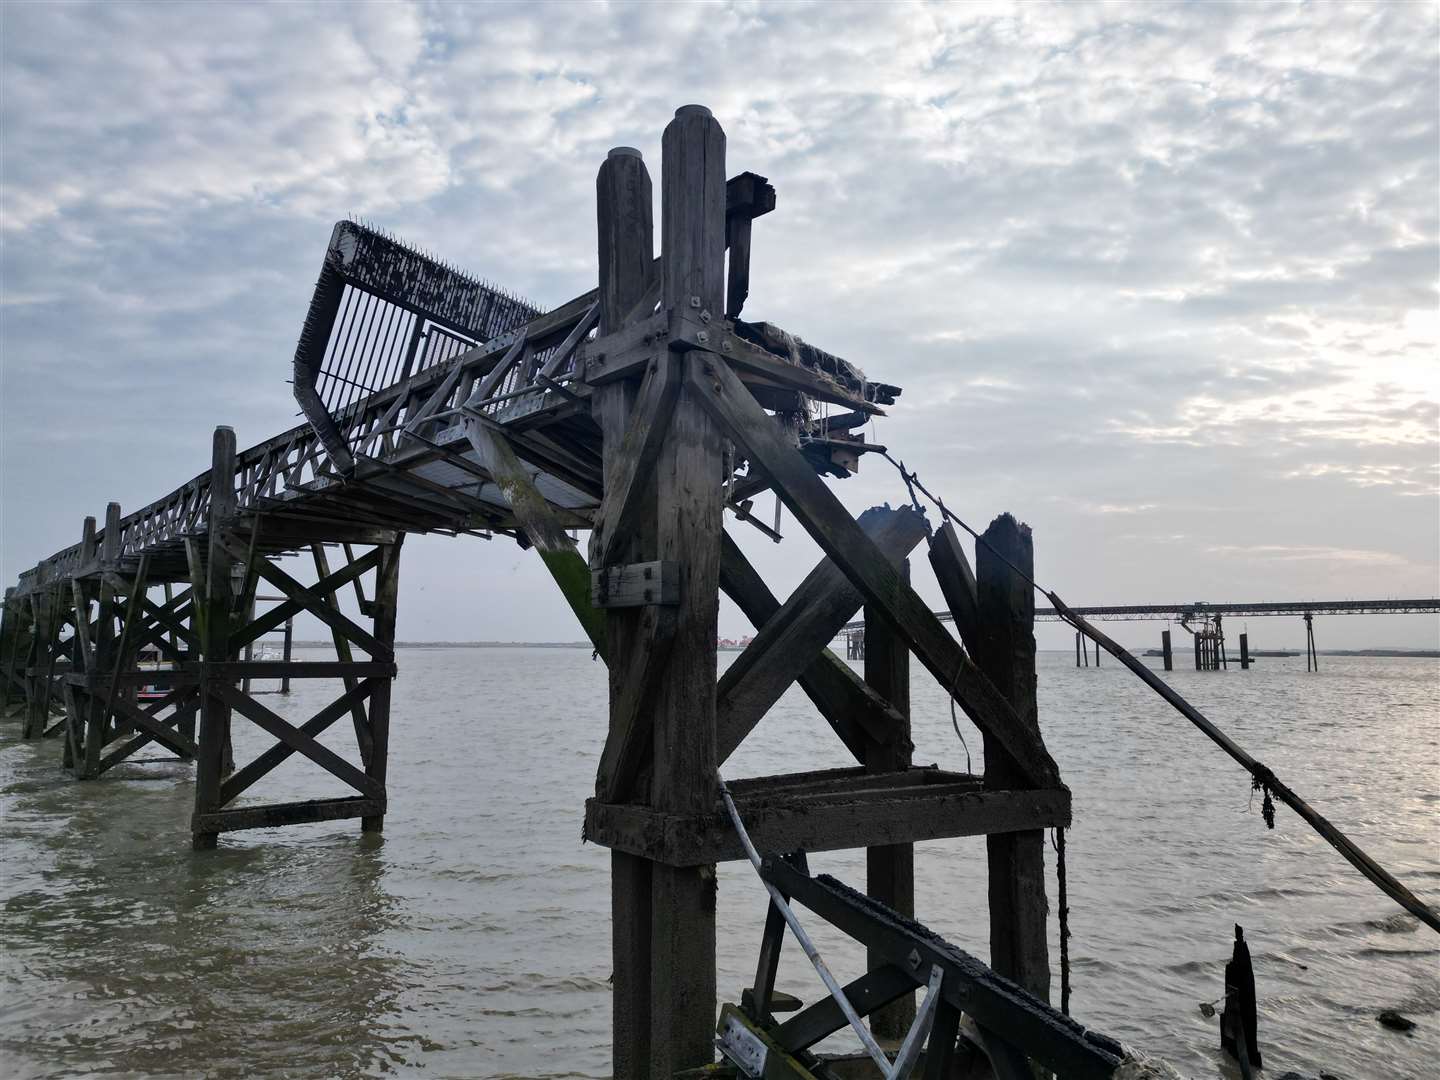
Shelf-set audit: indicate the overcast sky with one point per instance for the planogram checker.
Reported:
(1161, 280)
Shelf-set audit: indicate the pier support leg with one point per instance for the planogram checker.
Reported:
(1312, 658)
(1079, 648)
(213, 598)
(889, 870)
(1169, 657)
(1198, 651)
(40, 662)
(1244, 652)
(384, 607)
(1018, 905)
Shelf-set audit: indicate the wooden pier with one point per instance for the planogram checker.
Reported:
(643, 411)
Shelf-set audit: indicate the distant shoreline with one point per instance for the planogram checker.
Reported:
(1414, 654)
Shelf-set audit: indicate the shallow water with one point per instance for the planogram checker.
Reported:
(473, 939)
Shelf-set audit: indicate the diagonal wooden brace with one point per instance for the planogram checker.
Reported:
(627, 746)
(957, 584)
(299, 740)
(830, 525)
(565, 563)
(635, 464)
(792, 638)
(311, 601)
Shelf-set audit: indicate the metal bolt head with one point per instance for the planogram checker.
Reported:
(725, 346)
(914, 958)
(705, 316)
(703, 337)
(694, 301)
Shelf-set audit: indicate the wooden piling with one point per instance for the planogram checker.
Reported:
(1244, 652)
(625, 234)
(1165, 650)
(688, 528)
(1018, 905)
(1078, 648)
(384, 609)
(889, 870)
(212, 602)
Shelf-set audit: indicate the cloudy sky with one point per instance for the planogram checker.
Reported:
(1161, 280)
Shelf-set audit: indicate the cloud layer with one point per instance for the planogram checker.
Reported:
(1161, 280)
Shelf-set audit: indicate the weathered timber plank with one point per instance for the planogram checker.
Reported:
(957, 584)
(630, 476)
(867, 994)
(635, 585)
(830, 526)
(547, 536)
(789, 641)
(630, 736)
(273, 815)
(697, 839)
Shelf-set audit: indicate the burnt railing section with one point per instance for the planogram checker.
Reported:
(382, 312)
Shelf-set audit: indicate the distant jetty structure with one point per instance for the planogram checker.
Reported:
(1202, 620)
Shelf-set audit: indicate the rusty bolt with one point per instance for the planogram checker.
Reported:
(694, 301)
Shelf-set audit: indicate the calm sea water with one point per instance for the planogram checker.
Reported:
(473, 939)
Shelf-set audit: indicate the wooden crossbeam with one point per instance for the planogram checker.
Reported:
(957, 584)
(790, 640)
(867, 994)
(245, 777)
(830, 525)
(299, 741)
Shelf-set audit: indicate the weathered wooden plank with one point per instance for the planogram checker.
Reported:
(869, 993)
(957, 584)
(629, 479)
(789, 641)
(273, 815)
(830, 525)
(546, 534)
(384, 608)
(635, 585)
(867, 819)
(631, 731)
(1005, 651)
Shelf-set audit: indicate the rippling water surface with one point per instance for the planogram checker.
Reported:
(473, 939)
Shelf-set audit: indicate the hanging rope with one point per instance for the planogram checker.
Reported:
(1262, 779)
(1059, 843)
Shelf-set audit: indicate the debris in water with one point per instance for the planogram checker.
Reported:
(1393, 1020)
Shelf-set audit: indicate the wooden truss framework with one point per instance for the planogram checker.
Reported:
(679, 406)
(642, 411)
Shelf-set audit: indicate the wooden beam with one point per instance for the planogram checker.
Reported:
(546, 534)
(213, 758)
(957, 584)
(889, 868)
(627, 270)
(1005, 651)
(630, 478)
(301, 742)
(839, 823)
(688, 527)
(789, 642)
(830, 525)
